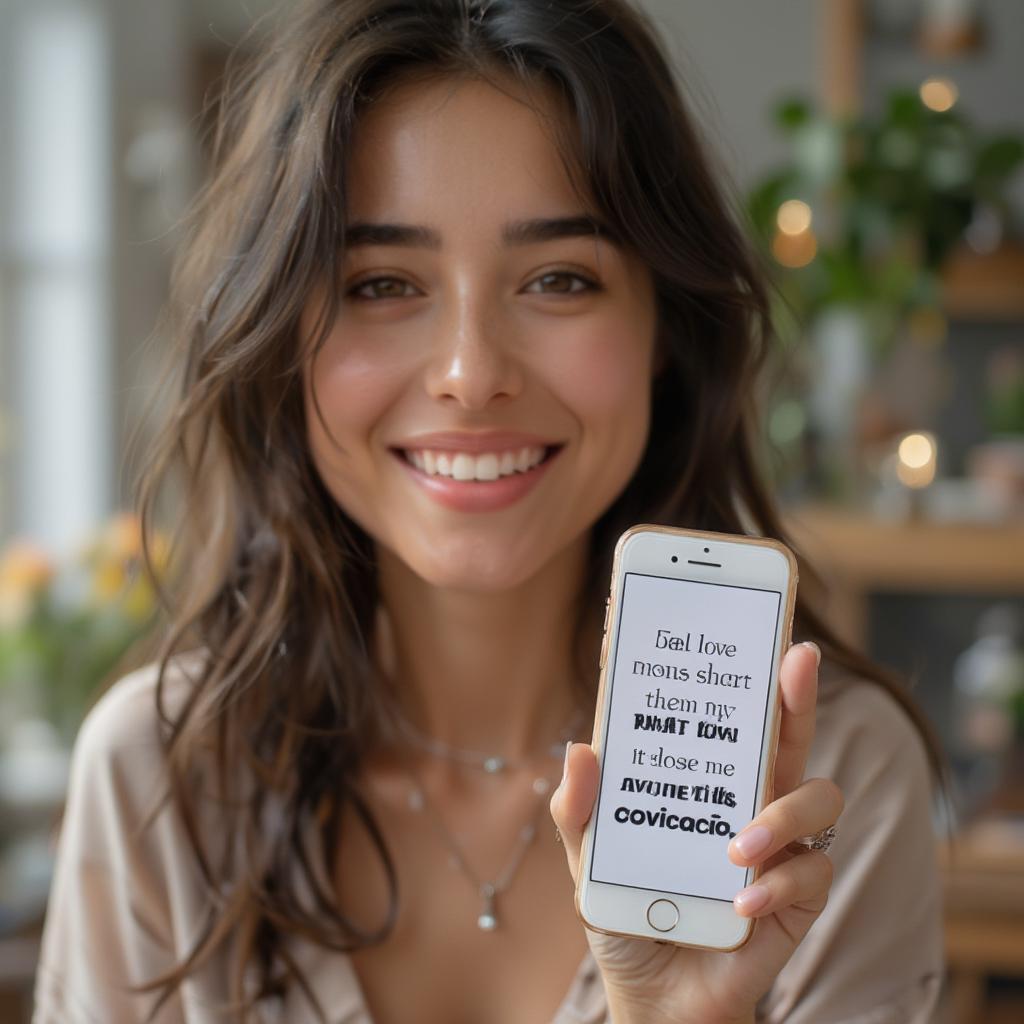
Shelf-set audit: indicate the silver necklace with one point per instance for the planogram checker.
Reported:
(487, 920)
(493, 764)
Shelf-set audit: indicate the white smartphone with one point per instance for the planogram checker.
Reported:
(685, 731)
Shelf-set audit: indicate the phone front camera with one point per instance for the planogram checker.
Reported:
(706, 550)
(675, 558)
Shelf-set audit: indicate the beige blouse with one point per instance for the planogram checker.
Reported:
(122, 910)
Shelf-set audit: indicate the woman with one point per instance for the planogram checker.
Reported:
(461, 303)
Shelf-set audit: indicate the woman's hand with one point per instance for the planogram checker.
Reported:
(651, 982)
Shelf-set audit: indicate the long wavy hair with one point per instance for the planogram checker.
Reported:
(275, 584)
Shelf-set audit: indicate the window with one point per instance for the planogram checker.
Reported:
(55, 405)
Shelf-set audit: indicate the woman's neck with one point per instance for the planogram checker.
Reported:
(483, 671)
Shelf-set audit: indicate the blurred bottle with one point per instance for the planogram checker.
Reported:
(988, 679)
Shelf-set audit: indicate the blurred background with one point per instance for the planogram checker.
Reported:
(876, 148)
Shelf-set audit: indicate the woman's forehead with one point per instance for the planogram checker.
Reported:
(457, 146)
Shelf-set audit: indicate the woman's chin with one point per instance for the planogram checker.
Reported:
(477, 577)
(471, 568)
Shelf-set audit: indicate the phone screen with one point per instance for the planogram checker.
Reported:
(688, 706)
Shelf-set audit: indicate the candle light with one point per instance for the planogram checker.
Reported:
(916, 458)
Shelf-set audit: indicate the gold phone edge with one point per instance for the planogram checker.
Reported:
(794, 577)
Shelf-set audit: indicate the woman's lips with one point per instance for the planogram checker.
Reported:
(478, 495)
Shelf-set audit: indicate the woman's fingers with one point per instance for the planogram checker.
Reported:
(798, 681)
(814, 805)
(802, 881)
(573, 800)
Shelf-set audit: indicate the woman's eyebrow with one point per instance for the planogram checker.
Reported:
(520, 232)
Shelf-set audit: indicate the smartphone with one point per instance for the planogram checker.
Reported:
(685, 731)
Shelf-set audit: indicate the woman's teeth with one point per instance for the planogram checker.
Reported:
(462, 466)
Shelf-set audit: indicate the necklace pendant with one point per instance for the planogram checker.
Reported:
(493, 765)
(488, 919)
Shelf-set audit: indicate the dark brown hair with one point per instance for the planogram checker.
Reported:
(275, 584)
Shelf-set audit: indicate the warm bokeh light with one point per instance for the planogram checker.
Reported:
(938, 94)
(794, 250)
(794, 217)
(915, 450)
(916, 457)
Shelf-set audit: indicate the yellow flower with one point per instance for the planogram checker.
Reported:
(139, 600)
(159, 551)
(114, 559)
(25, 566)
(25, 570)
(123, 536)
(108, 579)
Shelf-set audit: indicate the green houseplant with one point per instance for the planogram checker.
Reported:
(857, 224)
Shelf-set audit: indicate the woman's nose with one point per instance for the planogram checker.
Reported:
(470, 358)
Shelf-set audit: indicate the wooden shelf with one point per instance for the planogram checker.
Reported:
(985, 287)
(879, 555)
(983, 894)
(859, 555)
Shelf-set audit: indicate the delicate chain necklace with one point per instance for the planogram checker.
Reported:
(493, 764)
(487, 920)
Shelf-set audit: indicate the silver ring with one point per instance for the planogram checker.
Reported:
(820, 841)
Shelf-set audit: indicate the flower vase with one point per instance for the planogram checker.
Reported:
(839, 369)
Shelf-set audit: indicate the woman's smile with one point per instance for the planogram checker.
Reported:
(482, 480)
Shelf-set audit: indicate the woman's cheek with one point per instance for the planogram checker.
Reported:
(606, 372)
(606, 386)
(356, 385)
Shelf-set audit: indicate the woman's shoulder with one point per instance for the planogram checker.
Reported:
(120, 736)
(862, 730)
(123, 896)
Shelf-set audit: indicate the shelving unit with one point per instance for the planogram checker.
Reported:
(983, 872)
(860, 555)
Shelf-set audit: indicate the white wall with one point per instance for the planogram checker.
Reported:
(736, 58)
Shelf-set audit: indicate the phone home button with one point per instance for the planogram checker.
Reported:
(663, 915)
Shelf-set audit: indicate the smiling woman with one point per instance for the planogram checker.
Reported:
(461, 302)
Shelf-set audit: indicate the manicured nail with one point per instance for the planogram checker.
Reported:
(751, 900)
(814, 647)
(753, 841)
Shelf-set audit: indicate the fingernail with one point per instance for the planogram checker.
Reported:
(814, 647)
(752, 899)
(753, 841)
(565, 765)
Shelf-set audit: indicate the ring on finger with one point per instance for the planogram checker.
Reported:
(820, 841)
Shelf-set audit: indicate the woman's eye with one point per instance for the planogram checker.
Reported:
(560, 278)
(378, 288)
(556, 282)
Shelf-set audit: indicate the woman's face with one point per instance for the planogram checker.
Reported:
(474, 340)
